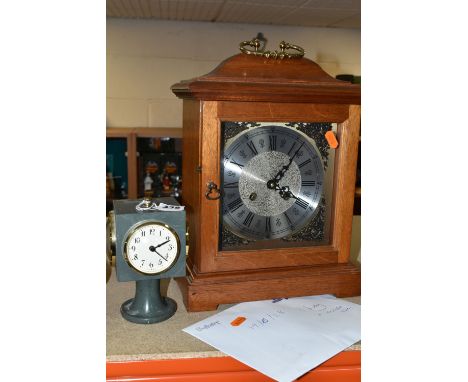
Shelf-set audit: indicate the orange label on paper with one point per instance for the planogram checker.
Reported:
(238, 321)
(331, 139)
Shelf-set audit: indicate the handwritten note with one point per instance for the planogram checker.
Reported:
(283, 338)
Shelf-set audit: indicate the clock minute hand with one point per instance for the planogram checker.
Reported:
(281, 172)
(160, 255)
(153, 249)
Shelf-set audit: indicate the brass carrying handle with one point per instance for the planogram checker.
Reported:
(212, 187)
(255, 43)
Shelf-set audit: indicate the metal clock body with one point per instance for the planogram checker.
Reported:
(145, 238)
(149, 246)
(273, 181)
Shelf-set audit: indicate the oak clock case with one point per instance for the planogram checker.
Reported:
(271, 203)
(149, 246)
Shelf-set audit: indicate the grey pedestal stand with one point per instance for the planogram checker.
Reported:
(148, 306)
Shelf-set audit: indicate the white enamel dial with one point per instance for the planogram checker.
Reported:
(152, 248)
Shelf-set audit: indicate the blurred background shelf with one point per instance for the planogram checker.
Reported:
(136, 157)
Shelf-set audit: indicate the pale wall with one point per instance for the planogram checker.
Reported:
(145, 57)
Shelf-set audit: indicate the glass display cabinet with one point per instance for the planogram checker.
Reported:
(143, 162)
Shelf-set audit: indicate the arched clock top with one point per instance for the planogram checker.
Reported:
(253, 78)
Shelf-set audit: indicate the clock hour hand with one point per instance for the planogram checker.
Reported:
(284, 191)
(286, 194)
(160, 245)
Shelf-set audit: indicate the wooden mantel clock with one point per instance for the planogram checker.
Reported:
(270, 145)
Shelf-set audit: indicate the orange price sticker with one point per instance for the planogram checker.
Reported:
(238, 321)
(331, 139)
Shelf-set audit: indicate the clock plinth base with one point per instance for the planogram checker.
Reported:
(148, 306)
(206, 292)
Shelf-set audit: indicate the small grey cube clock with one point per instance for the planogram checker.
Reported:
(149, 246)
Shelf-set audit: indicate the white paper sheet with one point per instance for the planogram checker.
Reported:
(283, 338)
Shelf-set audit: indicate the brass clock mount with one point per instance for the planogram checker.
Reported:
(260, 51)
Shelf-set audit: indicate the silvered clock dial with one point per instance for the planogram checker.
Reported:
(273, 179)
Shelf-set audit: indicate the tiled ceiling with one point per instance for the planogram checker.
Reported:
(311, 13)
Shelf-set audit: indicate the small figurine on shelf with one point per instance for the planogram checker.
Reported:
(148, 185)
(166, 183)
(151, 167)
(155, 144)
(176, 181)
(170, 168)
(123, 190)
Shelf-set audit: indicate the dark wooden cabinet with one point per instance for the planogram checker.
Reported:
(132, 141)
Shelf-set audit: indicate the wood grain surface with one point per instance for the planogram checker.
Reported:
(191, 177)
(206, 292)
(247, 88)
(344, 183)
(257, 79)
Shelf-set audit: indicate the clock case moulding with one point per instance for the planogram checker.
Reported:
(251, 88)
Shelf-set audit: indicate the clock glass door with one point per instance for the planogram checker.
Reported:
(276, 182)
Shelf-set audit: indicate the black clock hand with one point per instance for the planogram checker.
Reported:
(273, 183)
(160, 245)
(281, 172)
(160, 255)
(285, 192)
(153, 249)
